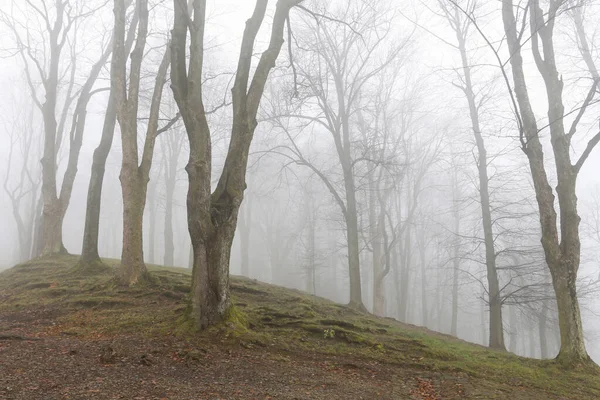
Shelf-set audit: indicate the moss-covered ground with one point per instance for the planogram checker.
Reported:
(64, 300)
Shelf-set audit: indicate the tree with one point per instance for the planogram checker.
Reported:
(23, 193)
(172, 146)
(560, 233)
(336, 62)
(61, 28)
(212, 217)
(135, 174)
(89, 249)
(461, 26)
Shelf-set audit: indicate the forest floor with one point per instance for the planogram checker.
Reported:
(65, 334)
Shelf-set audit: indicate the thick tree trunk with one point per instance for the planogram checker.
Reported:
(133, 267)
(53, 215)
(211, 301)
(572, 345)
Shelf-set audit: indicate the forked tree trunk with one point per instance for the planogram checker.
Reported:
(562, 251)
(134, 178)
(212, 218)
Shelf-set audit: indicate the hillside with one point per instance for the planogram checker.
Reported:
(68, 335)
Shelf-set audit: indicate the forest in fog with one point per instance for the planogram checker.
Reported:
(433, 161)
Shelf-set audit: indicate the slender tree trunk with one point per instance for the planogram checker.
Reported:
(170, 176)
(89, 250)
(494, 298)
(512, 320)
(353, 244)
(152, 220)
(405, 274)
(455, 271)
(245, 225)
(422, 259)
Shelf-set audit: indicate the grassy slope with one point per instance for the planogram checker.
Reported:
(276, 318)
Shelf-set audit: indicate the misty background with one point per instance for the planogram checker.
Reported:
(412, 150)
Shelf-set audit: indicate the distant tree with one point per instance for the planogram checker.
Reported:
(461, 25)
(22, 181)
(335, 62)
(62, 23)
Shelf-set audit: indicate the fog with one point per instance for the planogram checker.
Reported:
(366, 115)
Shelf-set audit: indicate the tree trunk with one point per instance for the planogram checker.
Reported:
(572, 345)
(353, 244)
(133, 267)
(422, 259)
(89, 249)
(405, 274)
(245, 224)
(542, 330)
(211, 301)
(170, 177)
(512, 320)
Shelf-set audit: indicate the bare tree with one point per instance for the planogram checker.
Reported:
(212, 217)
(60, 31)
(135, 174)
(24, 192)
(461, 25)
(89, 250)
(335, 64)
(562, 249)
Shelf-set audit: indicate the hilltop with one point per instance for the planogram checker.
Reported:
(65, 334)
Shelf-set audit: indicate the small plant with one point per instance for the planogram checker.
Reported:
(329, 333)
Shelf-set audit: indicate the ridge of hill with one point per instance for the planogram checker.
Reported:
(66, 334)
